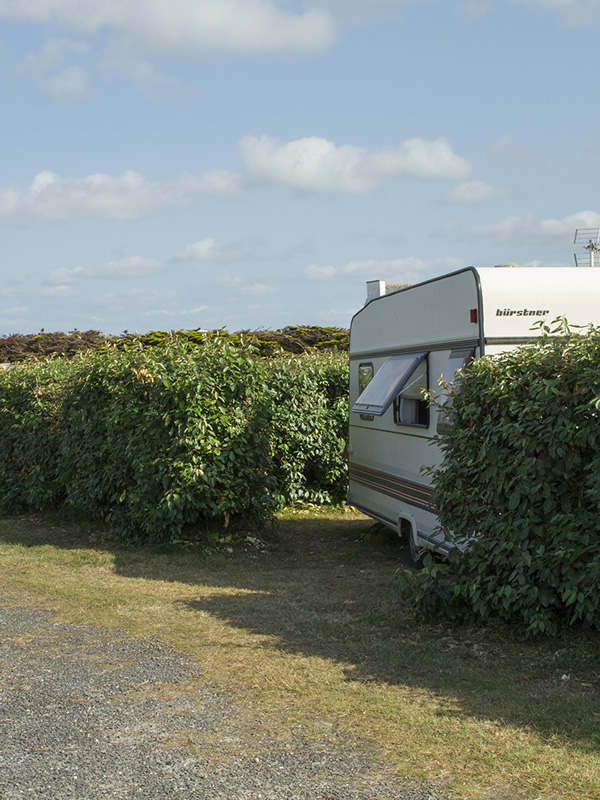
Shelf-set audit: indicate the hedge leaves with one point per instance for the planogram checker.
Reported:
(519, 487)
(172, 440)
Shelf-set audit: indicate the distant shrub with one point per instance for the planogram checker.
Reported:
(295, 339)
(20, 347)
(521, 471)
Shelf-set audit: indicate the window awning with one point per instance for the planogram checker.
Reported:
(387, 383)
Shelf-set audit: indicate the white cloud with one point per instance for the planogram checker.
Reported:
(239, 287)
(51, 55)
(10, 315)
(230, 281)
(59, 82)
(142, 74)
(316, 164)
(258, 290)
(183, 27)
(509, 148)
(67, 86)
(61, 281)
(474, 192)
(343, 316)
(573, 12)
(216, 181)
(359, 10)
(58, 291)
(137, 298)
(65, 277)
(132, 267)
(475, 9)
(315, 273)
(517, 228)
(206, 249)
(209, 249)
(121, 197)
(397, 270)
(311, 164)
(167, 312)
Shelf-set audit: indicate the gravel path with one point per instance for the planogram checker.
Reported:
(87, 714)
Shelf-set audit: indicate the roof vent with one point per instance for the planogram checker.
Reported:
(375, 289)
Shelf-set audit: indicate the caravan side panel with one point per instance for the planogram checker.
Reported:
(386, 454)
(489, 310)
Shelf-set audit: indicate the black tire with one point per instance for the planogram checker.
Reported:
(415, 553)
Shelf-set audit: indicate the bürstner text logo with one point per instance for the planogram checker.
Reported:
(521, 312)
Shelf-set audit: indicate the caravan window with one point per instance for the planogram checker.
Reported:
(457, 361)
(365, 376)
(410, 406)
(390, 379)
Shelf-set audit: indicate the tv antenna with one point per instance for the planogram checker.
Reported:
(589, 241)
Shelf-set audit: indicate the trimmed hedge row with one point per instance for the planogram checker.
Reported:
(21, 346)
(295, 339)
(169, 440)
(521, 470)
(291, 339)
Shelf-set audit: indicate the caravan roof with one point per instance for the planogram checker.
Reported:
(488, 305)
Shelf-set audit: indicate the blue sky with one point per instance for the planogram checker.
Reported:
(249, 164)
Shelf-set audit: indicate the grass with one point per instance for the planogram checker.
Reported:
(309, 631)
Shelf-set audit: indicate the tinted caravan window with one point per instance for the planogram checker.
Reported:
(457, 361)
(387, 383)
(410, 407)
(365, 376)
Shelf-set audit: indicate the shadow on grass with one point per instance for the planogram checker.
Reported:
(323, 589)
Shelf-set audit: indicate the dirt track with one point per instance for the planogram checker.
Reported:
(87, 714)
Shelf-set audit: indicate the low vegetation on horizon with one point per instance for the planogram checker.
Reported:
(291, 339)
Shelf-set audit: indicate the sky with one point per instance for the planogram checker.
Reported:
(250, 164)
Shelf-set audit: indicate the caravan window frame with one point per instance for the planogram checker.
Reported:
(387, 383)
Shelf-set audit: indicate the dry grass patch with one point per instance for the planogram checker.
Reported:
(309, 631)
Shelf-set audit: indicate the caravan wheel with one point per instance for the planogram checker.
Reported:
(407, 530)
(415, 553)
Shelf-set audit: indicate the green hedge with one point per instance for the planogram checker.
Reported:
(172, 440)
(521, 469)
(161, 440)
(310, 426)
(31, 400)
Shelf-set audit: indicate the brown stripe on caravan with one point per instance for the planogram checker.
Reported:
(415, 494)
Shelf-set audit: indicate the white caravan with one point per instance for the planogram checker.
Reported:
(404, 342)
